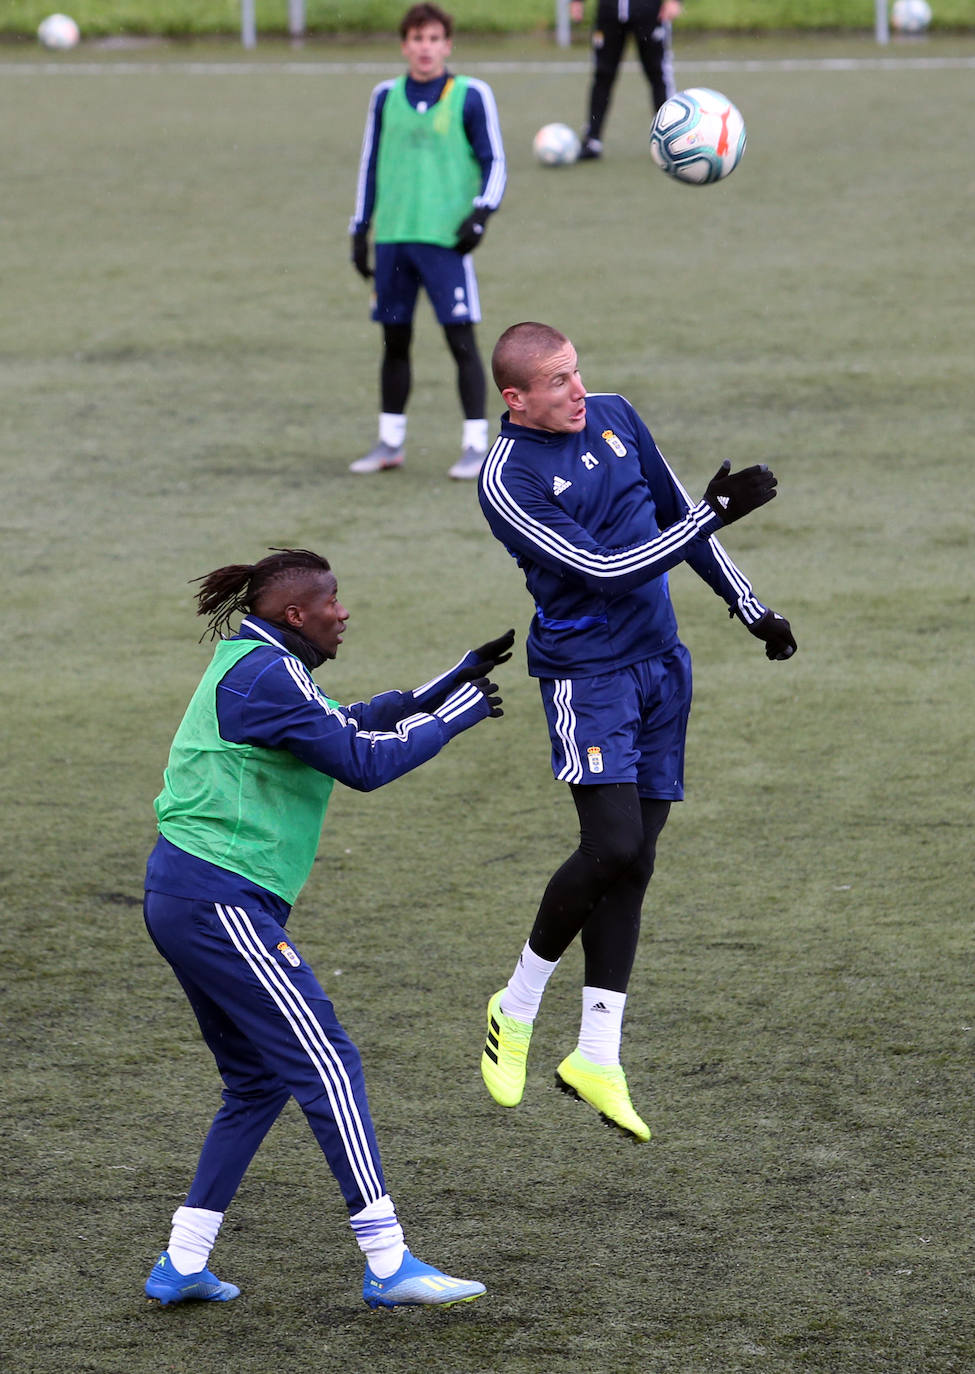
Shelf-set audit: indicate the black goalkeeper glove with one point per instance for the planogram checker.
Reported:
(492, 692)
(488, 656)
(732, 495)
(776, 631)
(360, 253)
(471, 231)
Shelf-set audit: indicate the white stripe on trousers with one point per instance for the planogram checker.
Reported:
(310, 1034)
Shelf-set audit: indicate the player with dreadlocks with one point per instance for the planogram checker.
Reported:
(240, 814)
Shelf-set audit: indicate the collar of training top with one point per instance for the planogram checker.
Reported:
(285, 637)
(540, 436)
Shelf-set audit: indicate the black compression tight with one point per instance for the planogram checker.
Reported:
(396, 378)
(471, 383)
(599, 890)
(394, 375)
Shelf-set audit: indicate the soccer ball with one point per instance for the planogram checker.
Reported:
(59, 32)
(556, 145)
(698, 136)
(910, 16)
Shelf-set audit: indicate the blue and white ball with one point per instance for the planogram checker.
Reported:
(910, 16)
(698, 136)
(58, 32)
(556, 145)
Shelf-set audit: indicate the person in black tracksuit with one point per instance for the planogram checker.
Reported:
(649, 21)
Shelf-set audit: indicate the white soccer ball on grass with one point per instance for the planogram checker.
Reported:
(556, 145)
(910, 16)
(698, 136)
(59, 32)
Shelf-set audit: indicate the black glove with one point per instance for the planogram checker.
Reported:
(489, 655)
(471, 231)
(776, 631)
(491, 691)
(732, 495)
(360, 253)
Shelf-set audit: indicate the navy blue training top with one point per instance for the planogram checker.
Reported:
(595, 520)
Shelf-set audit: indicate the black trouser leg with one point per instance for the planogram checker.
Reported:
(655, 58)
(607, 60)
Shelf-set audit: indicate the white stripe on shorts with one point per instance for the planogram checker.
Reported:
(565, 725)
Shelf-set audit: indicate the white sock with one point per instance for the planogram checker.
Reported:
(380, 1236)
(192, 1238)
(392, 429)
(523, 995)
(475, 435)
(602, 1025)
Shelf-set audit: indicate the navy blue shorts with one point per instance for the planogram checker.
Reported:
(446, 276)
(625, 726)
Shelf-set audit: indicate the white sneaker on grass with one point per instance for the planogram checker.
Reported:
(468, 465)
(379, 458)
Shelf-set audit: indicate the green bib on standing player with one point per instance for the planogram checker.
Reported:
(426, 174)
(258, 812)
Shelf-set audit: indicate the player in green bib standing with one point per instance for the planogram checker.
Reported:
(432, 171)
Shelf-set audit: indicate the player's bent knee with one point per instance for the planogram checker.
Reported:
(615, 850)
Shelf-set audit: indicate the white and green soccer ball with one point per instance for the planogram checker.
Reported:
(910, 16)
(698, 136)
(556, 145)
(58, 32)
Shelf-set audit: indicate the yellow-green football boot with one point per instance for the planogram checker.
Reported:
(603, 1087)
(504, 1062)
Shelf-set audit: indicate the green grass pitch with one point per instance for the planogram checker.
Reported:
(110, 18)
(186, 369)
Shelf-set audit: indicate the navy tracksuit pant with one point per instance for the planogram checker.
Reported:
(274, 1034)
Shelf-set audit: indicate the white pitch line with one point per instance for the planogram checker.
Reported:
(555, 68)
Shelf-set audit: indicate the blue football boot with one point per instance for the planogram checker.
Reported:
(167, 1285)
(416, 1284)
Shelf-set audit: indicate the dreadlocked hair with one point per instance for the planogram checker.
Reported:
(236, 588)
